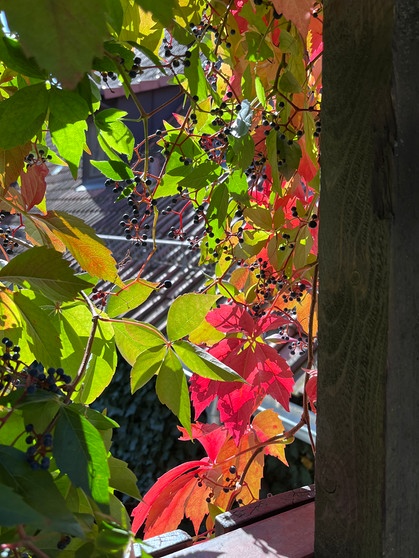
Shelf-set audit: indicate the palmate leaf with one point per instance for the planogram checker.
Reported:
(33, 185)
(187, 312)
(75, 436)
(203, 363)
(64, 48)
(44, 270)
(102, 364)
(131, 296)
(38, 490)
(67, 124)
(172, 389)
(122, 478)
(43, 339)
(84, 244)
(14, 510)
(147, 364)
(22, 115)
(134, 337)
(193, 488)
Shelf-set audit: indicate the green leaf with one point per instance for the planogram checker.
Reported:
(75, 436)
(217, 210)
(98, 420)
(147, 364)
(102, 365)
(55, 34)
(289, 83)
(22, 115)
(67, 123)
(14, 510)
(113, 132)
(38, 490)
(134, 337)
(187, 312)
(258, 49)
(130, 297)
(202, 363)
(237, 186)
(197, 82)
(271, 145)
(241, 151)
(40, 409)
(114, 14)
(290, 156)
(43, 339)
(44, 270)
(116, 170)
(84, 244)
(162, 11)
(172, 389)
(12, 55)
(260, 91)
(122, 478)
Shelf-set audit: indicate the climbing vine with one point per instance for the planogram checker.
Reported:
(240, 164)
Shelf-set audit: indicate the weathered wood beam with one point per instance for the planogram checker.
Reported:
(367, 472)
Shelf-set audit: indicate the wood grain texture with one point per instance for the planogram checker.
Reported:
(367, 479)
(356, 213)
(402, 418)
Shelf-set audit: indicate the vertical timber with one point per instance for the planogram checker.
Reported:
(367, 472)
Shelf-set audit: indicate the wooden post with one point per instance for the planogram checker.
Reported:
(367, 472)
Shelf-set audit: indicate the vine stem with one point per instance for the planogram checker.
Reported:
(310, 355)
(88, 349)
(27, 543)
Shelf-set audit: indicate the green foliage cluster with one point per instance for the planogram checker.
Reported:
(244, 158)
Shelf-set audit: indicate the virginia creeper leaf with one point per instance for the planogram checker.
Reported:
(74, 435)
(33, 185)
(113, 132)
(22, 115)
(133, 337)
(187, 312)
(122, 478)
(67, 124)
(44, 270)
(101, 366)
(64, 48)
(43, 339)
(131, 296)
(172, 389)
(117, 170)
(147, 364)
(162, 12)
(38, 490)
(84, 244)
(14, 510)
(11, 53)
(202, 363)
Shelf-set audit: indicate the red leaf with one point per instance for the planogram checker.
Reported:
(33, 185)
(185, 471)
(311, 389)
(231, 318)
(298, 12)
(211, 436)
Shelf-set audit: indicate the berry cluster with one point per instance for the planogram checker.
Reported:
(38, 446)
(6, 235)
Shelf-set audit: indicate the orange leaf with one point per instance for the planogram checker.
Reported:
(298, 12)
(83, 243)
(12, 162)
(266, 425)
(303, 314)
(9, 312)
